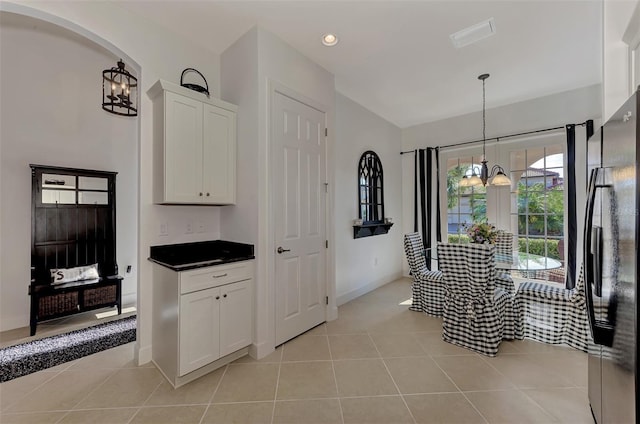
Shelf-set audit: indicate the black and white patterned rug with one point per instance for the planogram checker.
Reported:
(26, 358)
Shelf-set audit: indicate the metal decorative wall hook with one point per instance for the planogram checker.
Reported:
(195, 87)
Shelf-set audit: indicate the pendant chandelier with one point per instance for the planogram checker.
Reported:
(119, 91)
(498, 176)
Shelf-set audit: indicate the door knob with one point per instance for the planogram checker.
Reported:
(281, 250)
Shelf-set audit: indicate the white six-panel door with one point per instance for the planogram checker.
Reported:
(299, 199)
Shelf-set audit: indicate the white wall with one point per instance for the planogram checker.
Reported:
(159, 54)
(615, 64)
(571, 107)
(247, 80)
(366, 263)
(239, 76)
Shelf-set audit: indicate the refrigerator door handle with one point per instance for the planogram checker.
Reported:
(601, 332)
(596, 259)
(588, 255)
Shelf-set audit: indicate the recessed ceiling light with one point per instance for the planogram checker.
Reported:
(329, 40)
(473, 33)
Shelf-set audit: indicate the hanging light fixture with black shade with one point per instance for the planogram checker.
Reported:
(497, 175)
(119, 91)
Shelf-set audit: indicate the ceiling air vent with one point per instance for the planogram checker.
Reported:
(473, 33)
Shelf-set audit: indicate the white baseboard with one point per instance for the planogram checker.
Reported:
(353, 294)
(142, 354)
(260, 350)
(332, 313)
(12, 323)
(129, 299)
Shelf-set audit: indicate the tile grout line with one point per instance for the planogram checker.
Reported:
(147, 399)
(224, 372)
(517, 387)
(459, 390)
(134, 415)
(335, 380)
(275, 394)
(113, 371)
(404, 401)
(53, 375)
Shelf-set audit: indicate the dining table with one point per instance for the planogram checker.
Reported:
(524, 261)
(516, 261)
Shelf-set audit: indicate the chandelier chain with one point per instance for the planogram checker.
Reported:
(484, 122)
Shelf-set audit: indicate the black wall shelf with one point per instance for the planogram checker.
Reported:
(373, 229)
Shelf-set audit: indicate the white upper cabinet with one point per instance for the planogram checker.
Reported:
(194, 147)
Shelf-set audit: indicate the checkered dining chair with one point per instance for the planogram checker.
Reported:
(476, 315)
(427, 288)
(555, 315)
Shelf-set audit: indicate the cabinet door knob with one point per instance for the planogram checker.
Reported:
(225, 295)
(208, 194)
(199, 194)
(219, 276)
(217, 297)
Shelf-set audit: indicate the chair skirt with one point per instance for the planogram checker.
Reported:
(428, 294)
(550, 316)
(479, 326)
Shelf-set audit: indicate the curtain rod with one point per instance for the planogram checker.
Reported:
(498, 138)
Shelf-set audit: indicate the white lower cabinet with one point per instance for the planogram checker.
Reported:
(235, 323)
(199, 329)
(202, 319)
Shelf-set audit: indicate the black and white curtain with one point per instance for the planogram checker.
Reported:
(426, 197)
(572, 225)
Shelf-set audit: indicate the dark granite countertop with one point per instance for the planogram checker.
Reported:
(185, 256)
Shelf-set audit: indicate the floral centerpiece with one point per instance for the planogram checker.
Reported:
(482, 232)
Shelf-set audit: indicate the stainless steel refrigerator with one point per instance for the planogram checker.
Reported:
(611, 272)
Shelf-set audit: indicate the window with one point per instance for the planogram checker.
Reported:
(370, 188)
(537, 205)
(465, 205)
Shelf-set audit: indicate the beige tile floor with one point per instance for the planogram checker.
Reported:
(377, 363)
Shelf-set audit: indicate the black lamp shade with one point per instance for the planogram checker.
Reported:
(119, 91)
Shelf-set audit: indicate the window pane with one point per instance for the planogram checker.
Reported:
(538, 205)
(62, 197)
(555, 225)
(92, 183)
(59, 182)
(534, 155)
(363, 213)
(465, 205)
(518, 161)
(364, 194)
(93, 198)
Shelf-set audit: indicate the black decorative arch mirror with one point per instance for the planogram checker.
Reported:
(372, 221)
(370, 188)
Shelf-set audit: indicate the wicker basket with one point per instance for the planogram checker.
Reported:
(99, 296)
(57, 304)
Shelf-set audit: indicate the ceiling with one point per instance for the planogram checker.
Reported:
(395, 57)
